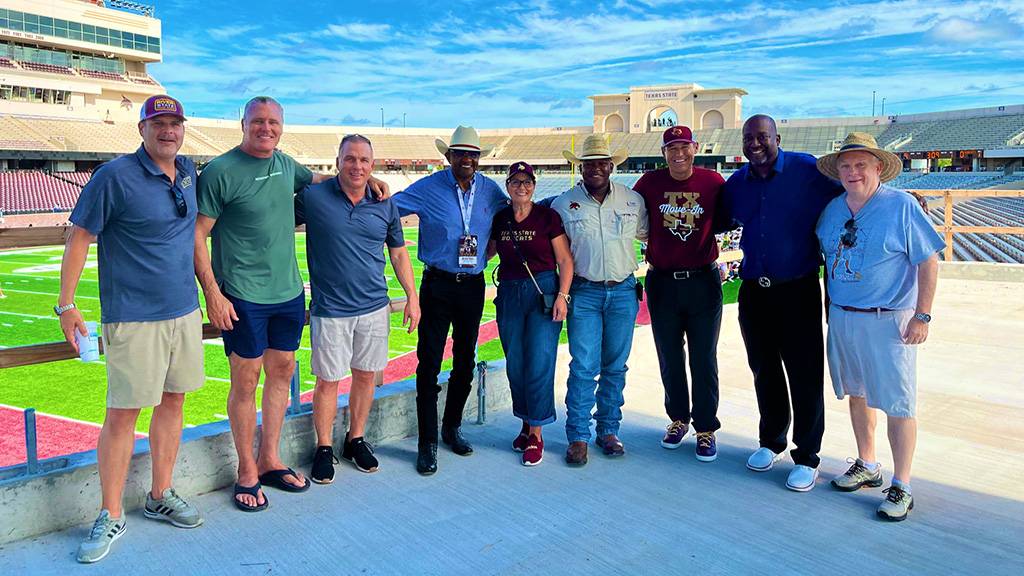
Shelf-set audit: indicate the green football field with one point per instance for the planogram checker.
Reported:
(30, 279)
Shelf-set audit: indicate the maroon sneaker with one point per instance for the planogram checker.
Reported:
(523, 440)
(534, 453)
(675, 433)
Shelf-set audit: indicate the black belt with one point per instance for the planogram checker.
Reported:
(766, 282)
(870, 310)
(455, 277)
(605, 283)
(684, 273)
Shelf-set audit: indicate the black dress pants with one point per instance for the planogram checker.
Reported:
(781, 327)
(446, 303)
(681, 308)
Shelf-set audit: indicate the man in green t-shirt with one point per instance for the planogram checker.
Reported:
(253, 290)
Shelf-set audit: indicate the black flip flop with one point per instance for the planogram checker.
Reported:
(253, 491)
(276, 479)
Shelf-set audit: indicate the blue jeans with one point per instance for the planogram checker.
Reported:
(600, 337)
(530, 341)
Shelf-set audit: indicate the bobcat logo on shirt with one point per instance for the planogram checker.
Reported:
(681, 211)
(574, 205)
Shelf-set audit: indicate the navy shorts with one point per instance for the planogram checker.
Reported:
(262, 326)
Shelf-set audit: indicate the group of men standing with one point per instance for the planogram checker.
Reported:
(152, 247)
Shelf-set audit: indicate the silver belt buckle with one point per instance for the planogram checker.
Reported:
(764, 282)
(683, 275)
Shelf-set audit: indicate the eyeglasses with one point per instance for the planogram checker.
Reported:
(179, 201)
(460, 153)
(521, 183)
(849, 236)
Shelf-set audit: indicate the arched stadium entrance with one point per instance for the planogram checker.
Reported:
(661, 117)
(614, 123)
(712, 119)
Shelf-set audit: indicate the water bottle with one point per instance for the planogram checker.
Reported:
(88, 346)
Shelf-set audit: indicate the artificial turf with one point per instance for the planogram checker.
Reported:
(30, 280)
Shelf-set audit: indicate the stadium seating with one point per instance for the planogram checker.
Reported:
(25, 192)
(102, 75)
(7, 63)
(953, 134)
(49, 68)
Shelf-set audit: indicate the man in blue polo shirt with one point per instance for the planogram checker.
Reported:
(777, 198)
(455, 207)
(141, 209)
(346, 231)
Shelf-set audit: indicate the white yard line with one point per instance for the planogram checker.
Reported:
(64, 418)
(36, 316)
(77, 297)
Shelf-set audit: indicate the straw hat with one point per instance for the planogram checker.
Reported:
(863, 142)
(596, 148)
(464, 138)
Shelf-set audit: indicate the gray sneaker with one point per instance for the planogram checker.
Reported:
(172, 508)
(897, 504)
(857, 477)
(104, 531)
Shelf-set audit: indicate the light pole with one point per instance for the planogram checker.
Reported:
(883, 105)
(381, 116)
(872, 103)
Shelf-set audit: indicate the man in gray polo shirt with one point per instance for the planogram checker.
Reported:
(346, 230)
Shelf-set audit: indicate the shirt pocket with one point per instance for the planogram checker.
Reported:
(576, 223)
(626, 222)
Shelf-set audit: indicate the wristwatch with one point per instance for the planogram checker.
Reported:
(926, 318)
(58, 310)
(565, 297)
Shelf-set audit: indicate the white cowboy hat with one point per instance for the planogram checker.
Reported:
(595, 147)
(863, 142)
(464, 138)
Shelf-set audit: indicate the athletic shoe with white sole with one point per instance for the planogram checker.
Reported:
(858, 476)
(897, 504)
(763, 459)
(172, 508)
(104, 531)
(675, 433)
(802, 478)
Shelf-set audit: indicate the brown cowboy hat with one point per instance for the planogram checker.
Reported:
(862, 142)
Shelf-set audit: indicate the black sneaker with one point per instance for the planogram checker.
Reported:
(360, 454)
(323, 465)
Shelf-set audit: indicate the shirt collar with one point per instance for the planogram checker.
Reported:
(336, 186)
(450, 176)
(147, 162)
(777, 167)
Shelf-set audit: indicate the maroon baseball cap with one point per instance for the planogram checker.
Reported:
(159, 105)
(677, 134)
(521, 168)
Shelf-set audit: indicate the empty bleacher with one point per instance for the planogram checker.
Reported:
(26, 192)
(102, 75)
(7, 63)
(48, 68)
(953, 134)
(1006, 248)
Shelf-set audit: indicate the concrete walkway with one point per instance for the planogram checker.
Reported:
(654, 511)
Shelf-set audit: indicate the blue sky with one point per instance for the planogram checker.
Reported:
(534, 62)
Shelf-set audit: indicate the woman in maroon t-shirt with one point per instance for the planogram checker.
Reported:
(530, 241)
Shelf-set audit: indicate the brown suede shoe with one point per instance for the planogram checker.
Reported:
(576, 455)
(611, 445)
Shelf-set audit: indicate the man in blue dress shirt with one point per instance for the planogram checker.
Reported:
(777, 198)
(455, 208)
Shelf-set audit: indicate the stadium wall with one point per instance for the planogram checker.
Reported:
(70, 495)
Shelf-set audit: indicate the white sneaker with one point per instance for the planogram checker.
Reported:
(802, 478)
(762, 460)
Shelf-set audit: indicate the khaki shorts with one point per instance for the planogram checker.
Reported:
(359, 342)
(146, 359)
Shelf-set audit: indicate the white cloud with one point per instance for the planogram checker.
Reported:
(359, 31)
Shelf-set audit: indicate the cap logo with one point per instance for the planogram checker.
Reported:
(677, 131)
(165, 105)
(521, 167)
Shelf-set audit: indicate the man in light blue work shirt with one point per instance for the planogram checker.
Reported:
(346, 231)
(455, 208)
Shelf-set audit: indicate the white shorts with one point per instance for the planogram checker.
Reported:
(340, 344)
(867, 358)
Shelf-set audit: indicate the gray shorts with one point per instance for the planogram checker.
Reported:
(868, 359)
(340, 344)
(146, 359)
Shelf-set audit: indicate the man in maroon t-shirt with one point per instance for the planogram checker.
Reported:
(684, 288)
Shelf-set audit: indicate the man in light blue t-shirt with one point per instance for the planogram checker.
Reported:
(346, 232)
(881, 264)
